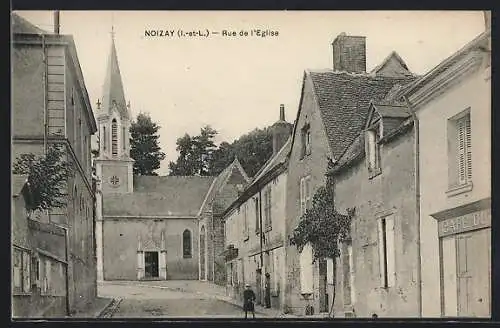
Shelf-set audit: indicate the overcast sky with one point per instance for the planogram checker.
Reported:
(236, 84)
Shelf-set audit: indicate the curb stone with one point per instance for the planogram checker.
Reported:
(109, 310)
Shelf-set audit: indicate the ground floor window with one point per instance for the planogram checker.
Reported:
(21, 271)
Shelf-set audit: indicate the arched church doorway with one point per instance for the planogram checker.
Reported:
(203, 251)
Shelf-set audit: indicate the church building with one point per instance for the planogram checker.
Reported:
(148, 227)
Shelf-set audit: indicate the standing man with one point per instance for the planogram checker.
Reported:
(248, 300)
(268, 290)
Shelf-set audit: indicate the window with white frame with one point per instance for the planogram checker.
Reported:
(373, 148)
(21, 272)
(245, 222)
(305, 194)
(267, 208)
(47, 281)
(460, 150)
(306, 270)
(387, 255)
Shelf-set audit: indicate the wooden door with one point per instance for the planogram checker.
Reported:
(473, 273)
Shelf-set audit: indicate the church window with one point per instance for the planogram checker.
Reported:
(186, 243)
(104, 139)
(124, 138)
(114, 138)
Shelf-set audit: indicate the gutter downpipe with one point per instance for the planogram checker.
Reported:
(417, 199)
(45, 97)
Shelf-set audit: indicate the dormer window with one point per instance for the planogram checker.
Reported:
(373, 135)
(306, 140)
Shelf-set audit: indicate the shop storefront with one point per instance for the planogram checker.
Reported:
(465, 259)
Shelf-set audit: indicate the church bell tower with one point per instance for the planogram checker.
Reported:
(114, 165)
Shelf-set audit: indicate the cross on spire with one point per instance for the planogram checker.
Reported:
(98, 104)
(112, 27)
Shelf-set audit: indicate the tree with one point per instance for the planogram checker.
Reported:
(195, 153)
(144, 147)
(252, 149)
(47, 177)
(323, 226)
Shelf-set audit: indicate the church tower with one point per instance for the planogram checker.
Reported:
(114, 167)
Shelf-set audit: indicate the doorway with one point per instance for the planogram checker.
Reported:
(323, 295)
(151, 264)
(258, 283)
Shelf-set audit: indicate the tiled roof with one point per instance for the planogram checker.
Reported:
(388, 110)
(355, 149)
(344, 99)
(221, 180)
(23, 26)
(18, 182)
(160, 195)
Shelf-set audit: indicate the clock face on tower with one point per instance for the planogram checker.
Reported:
(114, 181)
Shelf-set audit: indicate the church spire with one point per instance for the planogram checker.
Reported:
(112, 92)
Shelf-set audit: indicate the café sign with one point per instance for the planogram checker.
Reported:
(464, 223)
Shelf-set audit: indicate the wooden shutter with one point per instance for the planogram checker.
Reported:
(26, 272)
(308, 192)
(381, 252)
(302, 196)
(346, 276)
(391, 251)
(306, 269)
(461, 142)
(48, 273)
(351, 274)
(329, 271)
(468, 147)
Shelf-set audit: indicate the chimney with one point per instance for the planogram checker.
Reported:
(56, 22)
(281, 131)
(349, 53)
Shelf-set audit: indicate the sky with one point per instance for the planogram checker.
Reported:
(237, 83)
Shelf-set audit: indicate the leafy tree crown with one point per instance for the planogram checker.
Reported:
(47, 178)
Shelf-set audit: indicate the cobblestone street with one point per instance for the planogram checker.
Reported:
(167, 299)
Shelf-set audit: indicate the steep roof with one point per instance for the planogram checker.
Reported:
(280, 157)
(112, 90)
(22, 26)
(180, 196)
(222, 179)
(344, 99)
(393, 65)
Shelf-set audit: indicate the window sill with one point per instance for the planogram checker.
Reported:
(457, 190)
(21, 293)
(187, 257)
(372, 173)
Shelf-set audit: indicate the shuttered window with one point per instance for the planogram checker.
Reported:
(267, 208)
(245, 222)
(124, 139)
(386, 245)
(306, 270)
(21, 267)
(464, 150)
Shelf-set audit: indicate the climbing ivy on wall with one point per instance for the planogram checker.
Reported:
(322, 225)
(47, 176)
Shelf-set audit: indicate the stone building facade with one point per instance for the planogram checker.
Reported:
(452, 103)
(377, 272)
(50, 105)
(255, 228)
(332, 111)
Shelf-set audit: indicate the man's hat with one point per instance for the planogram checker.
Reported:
(247, 285)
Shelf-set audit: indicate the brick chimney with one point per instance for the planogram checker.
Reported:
(281, 131)
(349, 53)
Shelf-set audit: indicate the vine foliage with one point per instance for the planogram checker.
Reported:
(322, 226)
(47, 176)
